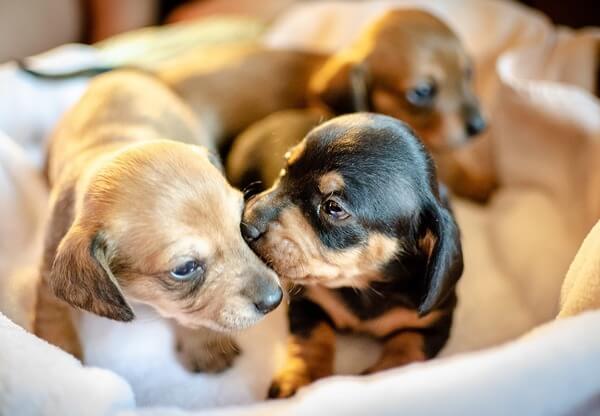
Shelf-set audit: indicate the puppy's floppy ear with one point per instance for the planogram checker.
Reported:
(440, 239)
(342, 87)
(81, 276)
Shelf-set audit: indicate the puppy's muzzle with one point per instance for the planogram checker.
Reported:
(266, 294)
(259, 212)
(250, 232)
(474, 122)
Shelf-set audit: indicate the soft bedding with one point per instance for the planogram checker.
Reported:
(543, 144)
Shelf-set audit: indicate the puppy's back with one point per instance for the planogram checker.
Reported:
(244, 89)
(258, 153)
(119, 107)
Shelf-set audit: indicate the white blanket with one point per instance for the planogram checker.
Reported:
(545, 137)
(553, 371)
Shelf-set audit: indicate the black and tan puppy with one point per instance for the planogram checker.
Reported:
(356, 218)
(141, 213)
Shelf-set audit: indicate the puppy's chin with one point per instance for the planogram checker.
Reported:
(236, 314)
(228, 321)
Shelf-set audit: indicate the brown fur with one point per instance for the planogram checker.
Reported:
(423, 48)
(308, 359)
(129, 205)
(401, 349)
(311, 358)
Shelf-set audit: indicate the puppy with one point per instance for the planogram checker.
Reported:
(139, 217)
(357, 220)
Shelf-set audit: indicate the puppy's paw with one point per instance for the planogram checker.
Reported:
(287, 384)
(212, 355)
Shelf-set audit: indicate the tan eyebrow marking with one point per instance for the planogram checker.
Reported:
(331, 182)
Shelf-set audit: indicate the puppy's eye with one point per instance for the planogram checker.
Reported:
(422, 95)
(188, 270)
(334, 210)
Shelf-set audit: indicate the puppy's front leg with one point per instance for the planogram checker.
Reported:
(205, 350)
(400, 349)
(310, 352)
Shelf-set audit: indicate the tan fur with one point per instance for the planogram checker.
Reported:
(305, 260)
(242, 88)
(344, 319)
(308, 359)
(427, 243)
(401, 349)
(331, 182)
(311, 358)
(129, 204)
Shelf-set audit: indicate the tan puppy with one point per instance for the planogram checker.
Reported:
(407, 64)
(138, 217)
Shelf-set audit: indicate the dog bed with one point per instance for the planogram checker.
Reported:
(536, 85)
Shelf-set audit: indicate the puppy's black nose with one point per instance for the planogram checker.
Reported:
(270, 301)
(250, 232)
(475, 125)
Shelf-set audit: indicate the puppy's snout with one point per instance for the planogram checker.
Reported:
(475, 124)
(269, 301)
(258, 214)
(266, 294)
(250, 232)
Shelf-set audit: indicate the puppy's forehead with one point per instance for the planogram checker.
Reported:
(373, 158)
(364, 138)
(423, 41)
(174, 189)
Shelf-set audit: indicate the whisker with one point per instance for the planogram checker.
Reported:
(377, 292)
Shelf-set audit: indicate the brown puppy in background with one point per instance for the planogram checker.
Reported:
(411, 65)
(138, 217)
(407, 64)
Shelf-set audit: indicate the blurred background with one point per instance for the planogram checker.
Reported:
(29, 27)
